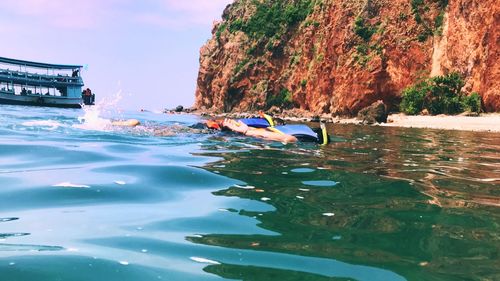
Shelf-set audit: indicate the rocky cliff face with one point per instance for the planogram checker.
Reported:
(338, 56)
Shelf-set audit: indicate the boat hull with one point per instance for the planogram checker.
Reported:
(44, 101)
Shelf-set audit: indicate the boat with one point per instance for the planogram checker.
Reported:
(42, 84)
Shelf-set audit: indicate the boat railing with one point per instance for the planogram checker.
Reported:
(7, 75)
(4, 90)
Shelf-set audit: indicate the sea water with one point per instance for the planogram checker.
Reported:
(83, 200)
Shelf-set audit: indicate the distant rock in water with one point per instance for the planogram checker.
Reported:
(179, 108)
(375, 113)
(338, 57)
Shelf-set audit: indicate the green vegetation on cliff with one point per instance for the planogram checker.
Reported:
(432, 24)
(267, 23)
(364, 50)
(364, 30)
(283, 99)
(273, 18)
(439, 95)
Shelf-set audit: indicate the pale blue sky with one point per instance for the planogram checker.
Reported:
(147, 49)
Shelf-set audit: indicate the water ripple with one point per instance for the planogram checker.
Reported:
(135, 204)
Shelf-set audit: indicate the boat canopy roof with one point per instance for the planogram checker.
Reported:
(39, 64)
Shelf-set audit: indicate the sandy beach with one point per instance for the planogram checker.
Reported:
(483, 123)
(489, 122)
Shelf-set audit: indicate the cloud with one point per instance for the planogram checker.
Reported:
(91, 14)
(60, 13)
(182, 14)
(199, 10)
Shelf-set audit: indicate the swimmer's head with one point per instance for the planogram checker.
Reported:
(214, 124)
(210, 124)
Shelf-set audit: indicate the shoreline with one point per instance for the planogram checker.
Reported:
(486, 122)
(489, 122)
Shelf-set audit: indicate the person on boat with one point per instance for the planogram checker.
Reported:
(87, 96)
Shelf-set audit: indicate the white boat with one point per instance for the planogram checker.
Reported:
(42, 84)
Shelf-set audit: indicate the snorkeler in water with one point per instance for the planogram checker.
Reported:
(264, 128)
(282, 133)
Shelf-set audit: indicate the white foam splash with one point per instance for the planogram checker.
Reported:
(92, 118)
(203, 260)
(51, 124)
(244, 187)
(68, 184)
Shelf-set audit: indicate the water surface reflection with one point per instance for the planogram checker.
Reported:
(420, 203)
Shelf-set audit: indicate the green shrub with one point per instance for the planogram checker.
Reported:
(422, 37)
(222, 27)
(236, 25)
(445, 94)
(283, 99)
(439, 95)
(362, 49)
(414, 98)
(421, 12)
(362, 55)
(363, 30)
(438, 24)
(472, 103)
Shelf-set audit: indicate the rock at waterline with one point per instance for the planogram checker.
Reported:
(179, 108)
(377, 112)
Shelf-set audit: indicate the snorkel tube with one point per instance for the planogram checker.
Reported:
(324, 133)
(268, 118)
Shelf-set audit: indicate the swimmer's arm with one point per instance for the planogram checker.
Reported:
(240, 127)
(235, 126)
(268, 135)
(126, 123)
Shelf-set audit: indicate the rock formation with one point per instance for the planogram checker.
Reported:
(339, 56)
(375, 113)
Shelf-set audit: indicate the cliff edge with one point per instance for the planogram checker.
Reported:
(339, 56)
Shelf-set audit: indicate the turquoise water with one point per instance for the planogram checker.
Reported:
(84, 201)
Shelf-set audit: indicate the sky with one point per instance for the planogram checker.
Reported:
(146, 50)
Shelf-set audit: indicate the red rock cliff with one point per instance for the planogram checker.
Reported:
(338, 56)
